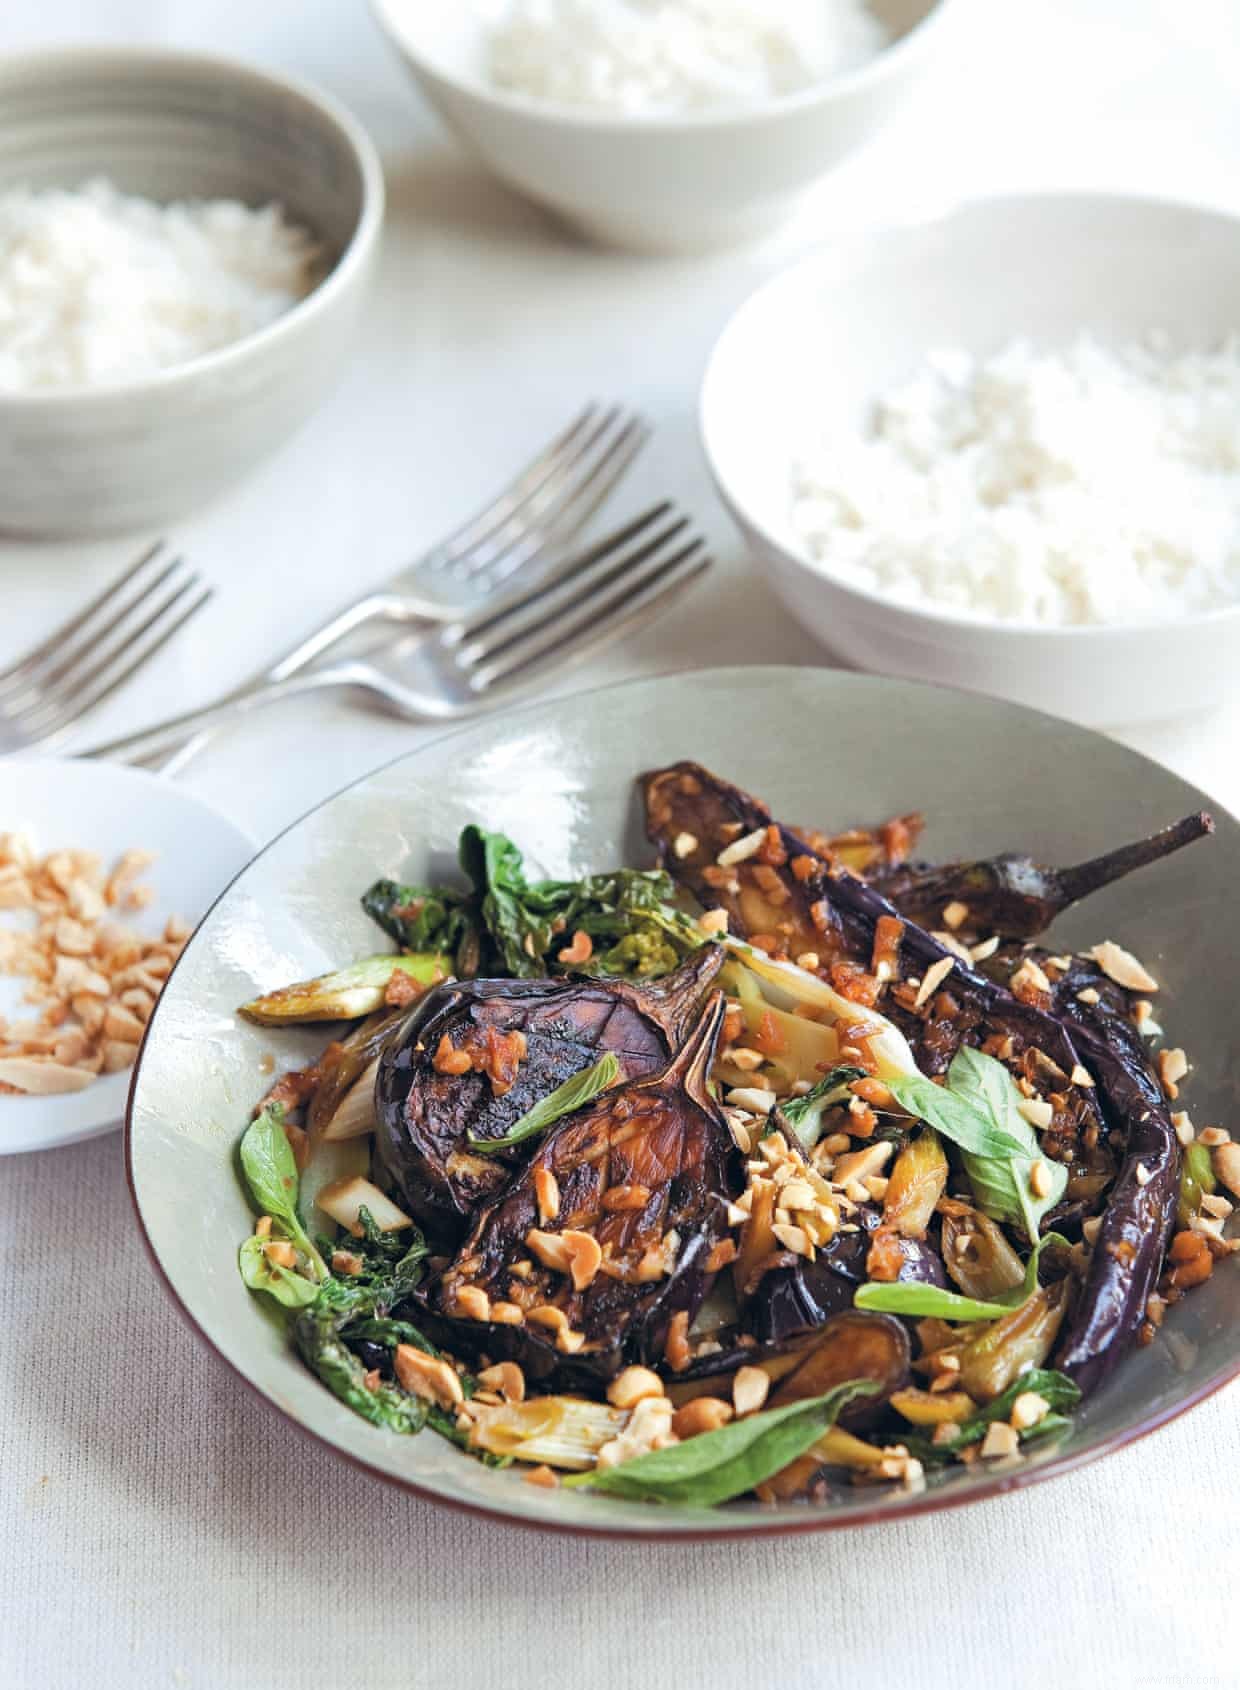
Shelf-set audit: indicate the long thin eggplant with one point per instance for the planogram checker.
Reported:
(428, 1115)
(583, 1264)
(1015, 897)
(794, 1295)
(795, 899)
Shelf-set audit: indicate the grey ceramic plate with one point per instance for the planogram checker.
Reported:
(824, 748)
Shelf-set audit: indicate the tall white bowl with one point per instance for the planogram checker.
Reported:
(823, 340)
(658, 183)
(172, 125)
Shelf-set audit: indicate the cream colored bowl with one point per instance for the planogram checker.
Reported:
(173, 125)
(659, 183)
(826, 338)
(821, 747)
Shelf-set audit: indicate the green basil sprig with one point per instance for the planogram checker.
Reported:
(716, 1466)
(1056, 1389)
(271, 1175)
(923, 1301)
(977, 1110)
(575, 1093)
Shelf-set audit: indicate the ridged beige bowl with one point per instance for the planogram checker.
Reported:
(173, 125)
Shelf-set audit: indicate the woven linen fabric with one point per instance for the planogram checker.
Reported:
(162, 1527)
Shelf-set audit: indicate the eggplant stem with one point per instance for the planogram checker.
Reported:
(1078, 882)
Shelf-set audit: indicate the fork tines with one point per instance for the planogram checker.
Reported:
(98, 648)
(549, 502)
(619, 581)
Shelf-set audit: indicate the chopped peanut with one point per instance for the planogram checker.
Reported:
(701, 1414)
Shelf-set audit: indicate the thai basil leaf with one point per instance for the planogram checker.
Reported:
(717, 1466)
(956, 1118)
(977, 1110)
(578, 1090)
(271, 1175)
(921, 1301)
(1056, 1389)
(804, 1115)
(261, 1274)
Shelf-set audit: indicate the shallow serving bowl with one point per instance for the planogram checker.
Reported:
(174, 125)
(988, 775)
(661, 182)
(821, 342)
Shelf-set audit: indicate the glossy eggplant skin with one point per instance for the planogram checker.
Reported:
(796, 1295)
(426, 1118)
(841, 912)
(1015, 897)
(643, 1172)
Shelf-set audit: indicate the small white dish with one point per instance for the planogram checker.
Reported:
(822, 341)
(108, 808)
(659, 182)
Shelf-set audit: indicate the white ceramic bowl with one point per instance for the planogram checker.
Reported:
(172, 125)
(108, 808)
(658, 183)
(824, 339)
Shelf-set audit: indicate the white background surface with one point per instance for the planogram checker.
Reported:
(157, 1525)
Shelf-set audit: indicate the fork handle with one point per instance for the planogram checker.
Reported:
(242, 701)
(170, 756)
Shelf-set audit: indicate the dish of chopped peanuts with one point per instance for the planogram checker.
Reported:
(103, 872)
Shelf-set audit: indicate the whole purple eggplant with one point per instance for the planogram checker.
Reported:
(426, 1117)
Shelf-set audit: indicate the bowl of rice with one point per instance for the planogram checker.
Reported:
(185, 245)
(665, 125)
(1001, 449)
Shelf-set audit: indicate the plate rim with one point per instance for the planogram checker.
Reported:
(826, 1519)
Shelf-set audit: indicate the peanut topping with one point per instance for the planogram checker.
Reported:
(1226, 1160)
(1000, 1440)
(550, 1248)
(427, 1377)
(507, 1314)
(473, 1302)
(750, 1389)
(676, 1350)
(580, 951)
(546, 1194)
(1172, 1067)
(701, 1414)
(632, 1385)
(542, 1476)
(585, 1256)
(1122, 967)
(932, 980)
(506, 1378)
(955, 914)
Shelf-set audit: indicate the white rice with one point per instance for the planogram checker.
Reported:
(641, 56)
(97, 286)
(1086, 485)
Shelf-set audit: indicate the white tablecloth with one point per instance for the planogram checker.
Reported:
(158, 1526)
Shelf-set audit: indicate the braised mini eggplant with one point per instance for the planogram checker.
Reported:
(762, 872)
(1012, 895)
(794, 1295)
(599, 1253)
(477, 1055)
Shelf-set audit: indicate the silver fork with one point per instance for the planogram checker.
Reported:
(440, 674)
(98, 649)
(524, 528)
